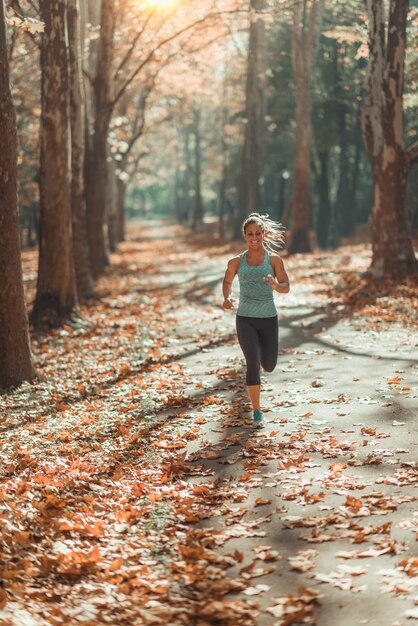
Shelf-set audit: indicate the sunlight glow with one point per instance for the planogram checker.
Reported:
(161, 4)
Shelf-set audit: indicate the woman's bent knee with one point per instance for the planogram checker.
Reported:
(269, 366)
(269, 369)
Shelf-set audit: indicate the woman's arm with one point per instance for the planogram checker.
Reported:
(230, 274)
(280, 281)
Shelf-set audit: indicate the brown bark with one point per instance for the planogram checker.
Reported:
(96, 180)
(78, 200)
(15, 354)
(126, 165)
(111, 206)
(186, 208)
(197, 202)
(222, 194)
(249, 190)
(224, 159)
(121, 191)
(392, 250)
(324, 211)
(344, 207)
(56, 297)
(306, 17)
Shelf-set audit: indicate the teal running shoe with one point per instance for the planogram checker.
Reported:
(258, 419)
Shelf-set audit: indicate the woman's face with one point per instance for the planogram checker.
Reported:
(254, 236)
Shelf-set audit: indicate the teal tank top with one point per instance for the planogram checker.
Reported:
(256, 296)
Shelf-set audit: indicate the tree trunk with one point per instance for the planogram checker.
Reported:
(249, 189)
(111, 206)
(96, 181)
(177, 194)
(324, 212)
(127, 166)
(347, 208)
(15, 354)
(358, 152)
(224, 159)
(393, 253)
(281, 198)
(56, 297)
(187, 172)
(412, 198)
(121, 192)
(89, 18)
(78, 200)
(306, 19)
(343, 204)
(222, 194)
(197, 203)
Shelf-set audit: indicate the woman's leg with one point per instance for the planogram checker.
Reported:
(268, 337)
(269, 342)
(248, 338)
(254, 396)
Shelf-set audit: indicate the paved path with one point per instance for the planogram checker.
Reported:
(326, 492)
(312, 520)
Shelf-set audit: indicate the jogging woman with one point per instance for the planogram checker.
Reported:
(260, 272)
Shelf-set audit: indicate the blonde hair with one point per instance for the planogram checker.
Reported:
(273, 231)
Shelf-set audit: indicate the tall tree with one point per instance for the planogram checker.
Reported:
(249, 190)
(224, 156)
(324, 210)
(97, 170)
(15, 354)
(197, 219)
(111, 206)
(392, 248)
(132, 132)
(184, 133)
(77, 115)
(56, 295)
(306, 20)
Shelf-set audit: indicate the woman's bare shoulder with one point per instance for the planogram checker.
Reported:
(232, 267)
(235, 261)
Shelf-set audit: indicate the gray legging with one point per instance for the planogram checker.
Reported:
(259, 341)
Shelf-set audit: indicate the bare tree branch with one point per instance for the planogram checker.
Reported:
(139, 122)
(134, 43)
(162, 43)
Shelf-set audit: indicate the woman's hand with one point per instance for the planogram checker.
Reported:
(229, 303)
(270, 280)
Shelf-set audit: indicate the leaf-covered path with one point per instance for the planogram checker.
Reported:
(134, 490)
